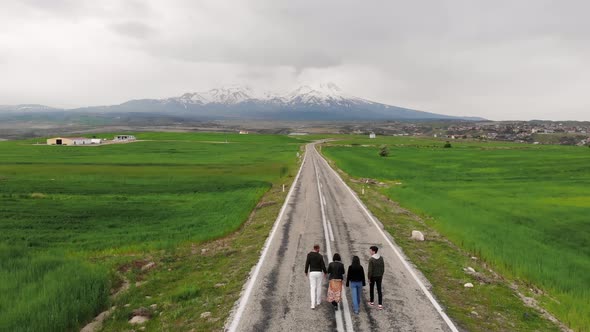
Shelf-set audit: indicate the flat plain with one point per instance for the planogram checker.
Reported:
(76, 221)
(62, 207)
(522, 208)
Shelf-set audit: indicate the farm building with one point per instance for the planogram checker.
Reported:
(69, 141)
(371, 135)
(124, 138)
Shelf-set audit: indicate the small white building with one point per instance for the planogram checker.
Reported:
(95, 140)
(124, 138)
(81, 140)
(244, 132)
(372, 135)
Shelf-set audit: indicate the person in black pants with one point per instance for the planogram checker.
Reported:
(375, 274)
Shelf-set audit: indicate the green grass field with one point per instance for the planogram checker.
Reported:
(523, 208)
(60, 206)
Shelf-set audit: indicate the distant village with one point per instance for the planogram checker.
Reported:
(532, 132)
(526, 132)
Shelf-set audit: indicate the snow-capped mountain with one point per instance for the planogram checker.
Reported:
(326, 94)
(324, 101)
(225, 95)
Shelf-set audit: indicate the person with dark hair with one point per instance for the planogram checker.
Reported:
(355, 278)
(315, 265)
(375, 274)
(335, 277)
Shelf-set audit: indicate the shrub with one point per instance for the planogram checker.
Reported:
(447, 145)
(185, 293)
(384, 151)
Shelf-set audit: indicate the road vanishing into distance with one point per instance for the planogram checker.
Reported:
(321, 209)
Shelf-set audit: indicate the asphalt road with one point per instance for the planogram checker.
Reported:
(321, 209)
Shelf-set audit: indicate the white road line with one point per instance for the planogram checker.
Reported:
(244, 298)
(324, 224)
(437, 306)
(330, 230)
(323, 201)
(339, 326)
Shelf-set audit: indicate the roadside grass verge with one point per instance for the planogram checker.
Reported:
(195, 285)
(519, 209)
(491, 306)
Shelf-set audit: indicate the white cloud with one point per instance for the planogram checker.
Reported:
(501, 60)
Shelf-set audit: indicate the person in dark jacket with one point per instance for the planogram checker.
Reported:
(375, 274)
(317, 270)
(355, 278)
(335, 277)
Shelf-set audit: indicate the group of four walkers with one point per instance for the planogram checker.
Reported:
(315, 269)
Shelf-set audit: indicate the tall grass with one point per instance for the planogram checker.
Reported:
(48, 292)
(168, 190)
(523, 208)
(180, 187)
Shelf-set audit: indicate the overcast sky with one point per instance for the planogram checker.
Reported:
(524, 59)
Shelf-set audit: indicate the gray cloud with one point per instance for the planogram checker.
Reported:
(502, 59)
(57, 6)
(133, 29)
(82, 9)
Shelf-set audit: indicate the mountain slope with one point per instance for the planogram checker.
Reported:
(31, 108)
(322, 102)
